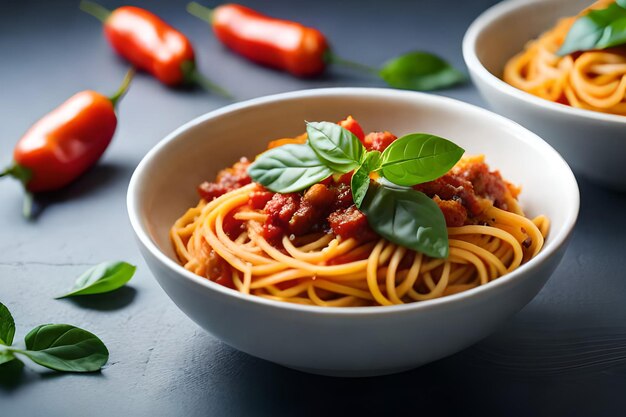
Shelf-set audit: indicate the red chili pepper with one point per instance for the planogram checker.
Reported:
(304, 51)
(65, 143)
(281, 44)
(150, 44)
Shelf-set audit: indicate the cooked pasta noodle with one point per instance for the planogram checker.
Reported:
(592, 80)
(381, 272)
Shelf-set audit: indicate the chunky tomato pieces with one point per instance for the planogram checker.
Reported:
(328, 206)
(322, 208)
(353, 126)
(228, 179)
(378, 141)
(487, 184)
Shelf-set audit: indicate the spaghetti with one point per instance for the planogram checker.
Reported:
(226, 240)
(592, 80)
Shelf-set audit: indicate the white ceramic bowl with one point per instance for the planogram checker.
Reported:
(349, 341)
(593, 143)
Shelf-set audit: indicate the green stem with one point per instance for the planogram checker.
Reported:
(115, 98)
(23, 175)
(27, 204)
(207, 84)
(95, 10)
(336, 59)
(191, 75)
(200, 11)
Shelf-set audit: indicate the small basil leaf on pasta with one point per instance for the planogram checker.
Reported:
(64, 347)
(421, 71)
(7, 326)
(361, 177)
(102, 278)
(598, 29)
(337, 147)
(408, 218)
(418, 158)
(288, 168)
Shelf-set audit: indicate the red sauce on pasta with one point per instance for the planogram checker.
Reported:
(328, 206)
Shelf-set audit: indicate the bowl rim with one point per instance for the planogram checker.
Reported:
(523, 134)
(475, 65)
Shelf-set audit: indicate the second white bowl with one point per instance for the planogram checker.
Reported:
(593, 143)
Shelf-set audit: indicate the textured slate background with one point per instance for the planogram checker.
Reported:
(564, 354)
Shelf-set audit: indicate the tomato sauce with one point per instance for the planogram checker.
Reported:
(328, 207)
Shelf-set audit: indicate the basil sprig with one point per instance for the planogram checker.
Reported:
(102, 278)
(399, 214)
(597, 29)
(61, 347)
(421, 71)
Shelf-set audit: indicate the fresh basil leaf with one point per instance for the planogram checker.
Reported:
(288, 168)
(408, 218)
(102, 278)
(361, 178)
(418, 158)
(6, 356)
(7, 326)
(421, 71)
(63, 347)
(598, 29)
(337, 147)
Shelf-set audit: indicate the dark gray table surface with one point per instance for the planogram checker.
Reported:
(564, 354)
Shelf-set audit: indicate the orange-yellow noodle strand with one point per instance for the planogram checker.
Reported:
(382, 273)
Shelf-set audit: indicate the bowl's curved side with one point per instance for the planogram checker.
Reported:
(361, 340)
(351, 345)
(592, 147)
(592, 142)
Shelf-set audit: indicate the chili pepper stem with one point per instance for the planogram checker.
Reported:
(18, 172)
(23, 175)
(116, 97)
(207, 84)
(336, 59)
(95, 10)
(193, 76)
(200, 11)
(27, 205)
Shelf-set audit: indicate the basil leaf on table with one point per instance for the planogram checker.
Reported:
(102, 278)
(336, 147)
(63, 347)
(288, 168)
(598, 29)
(418, 158)
(361, 178)
(7, 326)
(421, 71)
(408, 218)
